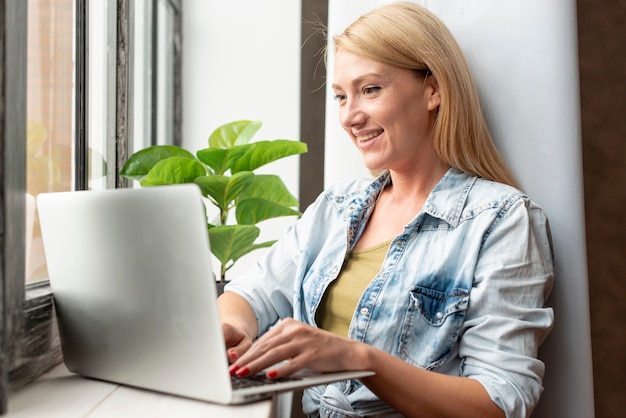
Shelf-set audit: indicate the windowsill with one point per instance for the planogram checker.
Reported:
(61, 393)
(37, 346)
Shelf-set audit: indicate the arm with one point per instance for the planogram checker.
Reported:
(416, 392)
(410, 390)
(239, 323)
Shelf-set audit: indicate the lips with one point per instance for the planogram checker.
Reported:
(367, 137)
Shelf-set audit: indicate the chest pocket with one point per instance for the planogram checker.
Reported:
(431, 325)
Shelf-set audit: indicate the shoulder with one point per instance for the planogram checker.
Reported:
(460, 196)
(502, 197)
(487, 192)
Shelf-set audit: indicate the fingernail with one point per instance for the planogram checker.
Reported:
(233, 354)
(233, 369)
(272, 374)
(242, 372)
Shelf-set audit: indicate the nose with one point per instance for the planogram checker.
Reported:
(351, 114)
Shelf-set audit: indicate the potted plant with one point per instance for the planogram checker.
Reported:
(225, 173)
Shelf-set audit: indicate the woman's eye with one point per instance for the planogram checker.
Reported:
(340, 97)
(370, 89)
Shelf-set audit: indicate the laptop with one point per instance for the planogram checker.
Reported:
(130, 272)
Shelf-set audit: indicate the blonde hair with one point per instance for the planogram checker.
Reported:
(405, 35)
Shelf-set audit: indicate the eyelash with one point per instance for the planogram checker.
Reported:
(370, 89)
(365, 91)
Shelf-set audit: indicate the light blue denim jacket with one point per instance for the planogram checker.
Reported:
(461, 290)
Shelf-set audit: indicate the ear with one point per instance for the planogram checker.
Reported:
(432, 86)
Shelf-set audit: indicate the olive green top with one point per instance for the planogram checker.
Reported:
(342, 296)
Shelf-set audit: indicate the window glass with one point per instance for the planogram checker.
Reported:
(165, 72)
(141, 64)
(101, 74)
(50, 104)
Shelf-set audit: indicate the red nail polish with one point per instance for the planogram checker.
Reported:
(233, 355)
(233, 369)
(272, 374)
(243, 372)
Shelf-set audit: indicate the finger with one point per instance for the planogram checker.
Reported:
(273, 351)
(262, 356)
(237, 343)
(271, 348)
(232, 336)
(247, 364)
(234, 353)
(283, 370)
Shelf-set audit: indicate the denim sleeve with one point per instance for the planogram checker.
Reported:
(269, 284)
(507, 320)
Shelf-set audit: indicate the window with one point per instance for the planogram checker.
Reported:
(73, 97)
(49, 114)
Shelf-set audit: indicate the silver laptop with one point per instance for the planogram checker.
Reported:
(130, 272)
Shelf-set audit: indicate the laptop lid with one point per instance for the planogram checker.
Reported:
(130, 271)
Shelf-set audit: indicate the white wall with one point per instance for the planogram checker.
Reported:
(523, 55)
(241, 60)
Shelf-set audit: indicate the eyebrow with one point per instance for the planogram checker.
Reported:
(360, 79)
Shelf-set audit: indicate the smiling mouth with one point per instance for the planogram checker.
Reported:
(367, 137)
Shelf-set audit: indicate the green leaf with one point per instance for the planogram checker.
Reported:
(215, 158)
(234, 133)
(269, 187)
(223, 189)
(255, 210)
(236, 256)
(141, 162)
(174, 170)
(229, 240)
(219, 159)
(264, 152)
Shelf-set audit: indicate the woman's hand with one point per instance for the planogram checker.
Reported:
(237, 341)
(239, 324)
(297, 346)
(293, 345)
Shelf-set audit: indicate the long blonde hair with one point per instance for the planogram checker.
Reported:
(406, 35)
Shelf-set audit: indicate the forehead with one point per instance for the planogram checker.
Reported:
(351, 69)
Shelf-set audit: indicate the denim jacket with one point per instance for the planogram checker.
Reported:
(460, 292)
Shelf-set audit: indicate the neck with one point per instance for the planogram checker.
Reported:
(416, 186)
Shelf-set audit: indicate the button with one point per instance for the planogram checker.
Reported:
(439, 315)
(364, 311)
(334, 270)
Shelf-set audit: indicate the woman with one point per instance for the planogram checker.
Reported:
(433, 275)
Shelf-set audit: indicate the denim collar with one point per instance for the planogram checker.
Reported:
(446, 201)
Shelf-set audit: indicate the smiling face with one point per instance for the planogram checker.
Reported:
(388, 112)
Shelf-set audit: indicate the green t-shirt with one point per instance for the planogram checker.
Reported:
(337, 306)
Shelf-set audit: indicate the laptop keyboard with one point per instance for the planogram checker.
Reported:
(257, 380)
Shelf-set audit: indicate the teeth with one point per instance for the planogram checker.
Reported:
(368, 136)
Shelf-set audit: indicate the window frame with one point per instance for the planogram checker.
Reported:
(312, 99)
(29, 343)
(13, 183)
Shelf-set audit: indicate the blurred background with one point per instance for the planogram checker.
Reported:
(602, 53)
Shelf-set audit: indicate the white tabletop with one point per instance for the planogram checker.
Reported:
(60, 393)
